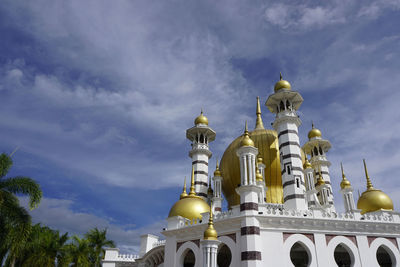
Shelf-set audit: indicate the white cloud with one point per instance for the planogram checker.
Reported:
(59, 215)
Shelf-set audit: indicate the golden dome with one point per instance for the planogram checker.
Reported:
(210, 233)
(190, 206)
(282, 84)
(307, 165)
(259, 177)
(246, 140)
(373, 199)
(217, 172)
(201, 119)
(320, 180)
(344, 183)
(314, 132)
(266, 141)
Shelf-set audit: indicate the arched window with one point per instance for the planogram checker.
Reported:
(383, 257)
(201, 138)
(189, 259)
(299, 255)
(282, 106)
(224, 256)
(287, 104)
(343, 256)
(320, 151)
(315, 151)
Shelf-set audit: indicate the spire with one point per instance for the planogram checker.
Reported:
(192, 192)
(369, 184)
(184, 194)
(280, 76)
(217, 172)
(210, 233)
(259, 122)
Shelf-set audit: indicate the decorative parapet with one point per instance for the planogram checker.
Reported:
(159, 243)
(112, 255)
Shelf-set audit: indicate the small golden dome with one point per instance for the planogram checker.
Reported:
(282, 84)
(190, 206)
(210, 233)
(260, 159)
(314, 132)
(344, 183)
(307, 165)
(201, 119)
(217, 172)
(373, 199)
(259, 177)
(246, 140)
(320, 180)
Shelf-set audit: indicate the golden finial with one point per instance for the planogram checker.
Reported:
(259, 122)
(192, 192)
(320, 180)
(217, 172)
(246, 140)
(259, 177)
(184, 194)
(210, 233)
(280, 76)
(369, 184)
(344, 183)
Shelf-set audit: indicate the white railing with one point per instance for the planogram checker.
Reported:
(159, 243)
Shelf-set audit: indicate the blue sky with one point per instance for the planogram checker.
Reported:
(98, 95)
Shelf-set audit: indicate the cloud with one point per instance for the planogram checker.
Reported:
(60, 215)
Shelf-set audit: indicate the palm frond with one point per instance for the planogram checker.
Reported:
(23, 185)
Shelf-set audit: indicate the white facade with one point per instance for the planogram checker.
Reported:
(305, 230)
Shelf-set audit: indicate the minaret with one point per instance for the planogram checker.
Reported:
(317, 147)
(284, 103)
(249, 193)
(311, 192)
(261, 183)
(347, 192)
(210, 244)
(200, 135)
(217, 199)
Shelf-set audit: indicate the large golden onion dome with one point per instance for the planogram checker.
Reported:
(267, 143)
(201, 119)
(373, 199)
(314, 132)
(282, 84)
(189, 206)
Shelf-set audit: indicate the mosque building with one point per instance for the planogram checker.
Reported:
(281, 207)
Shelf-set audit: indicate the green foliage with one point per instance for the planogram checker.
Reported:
(24, 245)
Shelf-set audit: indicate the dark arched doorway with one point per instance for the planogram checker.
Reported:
(189, 259)
(342, 255)
(224, 256)
(383, 257)
(299, 255)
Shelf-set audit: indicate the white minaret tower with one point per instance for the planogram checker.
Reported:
(347, 192)
(200, 135)
(317, 147)
(311, 192)
(260, 180)
(210, 244)
(284, 103)
(249, 191)
(217, 199)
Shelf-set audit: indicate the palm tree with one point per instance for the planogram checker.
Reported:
(45, 247)
(79, 252)
(15, 222)
(98, 240)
